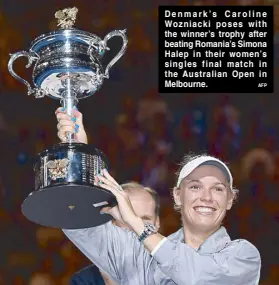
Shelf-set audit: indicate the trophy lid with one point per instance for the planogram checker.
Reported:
(66, 18)
(65, 21)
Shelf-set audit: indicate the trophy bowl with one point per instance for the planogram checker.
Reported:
(68, 67)
(68, 57)
(67, 60)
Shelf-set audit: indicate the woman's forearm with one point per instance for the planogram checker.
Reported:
(152, 241)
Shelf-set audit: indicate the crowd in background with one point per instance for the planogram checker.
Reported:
(144, 135)
(145, 143)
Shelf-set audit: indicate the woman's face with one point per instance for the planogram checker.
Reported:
(204, 197)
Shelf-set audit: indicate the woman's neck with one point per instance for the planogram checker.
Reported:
(196, 238)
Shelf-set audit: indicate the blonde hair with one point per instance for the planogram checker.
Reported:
(152, 192)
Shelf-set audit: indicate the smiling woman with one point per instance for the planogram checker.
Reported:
(201, 252)
(203, 194)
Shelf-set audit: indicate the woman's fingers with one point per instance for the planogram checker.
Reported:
(59, 110)
(113, 190)
(66, 129)
(105, 210)
(65, 123)
(75, 111)
(77, 114)
(64, 117)
(109, 185)
(63, 131)
(62, 136)
(109, 177)
(125, 206)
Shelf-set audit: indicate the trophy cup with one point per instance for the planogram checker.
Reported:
(68, 68)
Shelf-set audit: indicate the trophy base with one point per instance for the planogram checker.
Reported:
(68, 206)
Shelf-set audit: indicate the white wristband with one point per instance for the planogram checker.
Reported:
(158, 246)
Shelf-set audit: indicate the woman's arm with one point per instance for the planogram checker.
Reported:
(238, 264)
(111, 248)
(100, 246)
(106, 245)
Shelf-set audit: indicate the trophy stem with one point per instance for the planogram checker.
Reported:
(69, 101)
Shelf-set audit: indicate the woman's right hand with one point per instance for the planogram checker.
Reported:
(70, 124)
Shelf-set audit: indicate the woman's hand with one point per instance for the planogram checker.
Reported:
(124, 211)
(67, 124)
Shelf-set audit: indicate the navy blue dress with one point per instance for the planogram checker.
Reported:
(88, 276)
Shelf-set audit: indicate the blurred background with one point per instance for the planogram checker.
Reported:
(144, 134)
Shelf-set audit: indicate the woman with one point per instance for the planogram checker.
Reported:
(201, 252)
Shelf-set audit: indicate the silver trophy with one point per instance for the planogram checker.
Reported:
(67, 67)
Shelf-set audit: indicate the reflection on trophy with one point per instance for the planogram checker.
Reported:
(68, 67)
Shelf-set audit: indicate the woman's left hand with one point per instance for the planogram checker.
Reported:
(126, 210)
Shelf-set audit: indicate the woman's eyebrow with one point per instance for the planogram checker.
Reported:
(193, 180)
(221, 183)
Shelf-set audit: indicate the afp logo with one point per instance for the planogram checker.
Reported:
(262, 84)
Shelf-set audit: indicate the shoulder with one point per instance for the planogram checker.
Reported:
(244, 245)
(244, 261)
(246, 248)
(243, 250)
(176, 236)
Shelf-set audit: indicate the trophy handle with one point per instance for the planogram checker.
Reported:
(103, 45)
(39, 93)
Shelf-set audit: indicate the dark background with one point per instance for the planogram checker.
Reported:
(144, 134)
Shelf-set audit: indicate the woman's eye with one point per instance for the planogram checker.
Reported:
(219, 189)
(195, 187)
